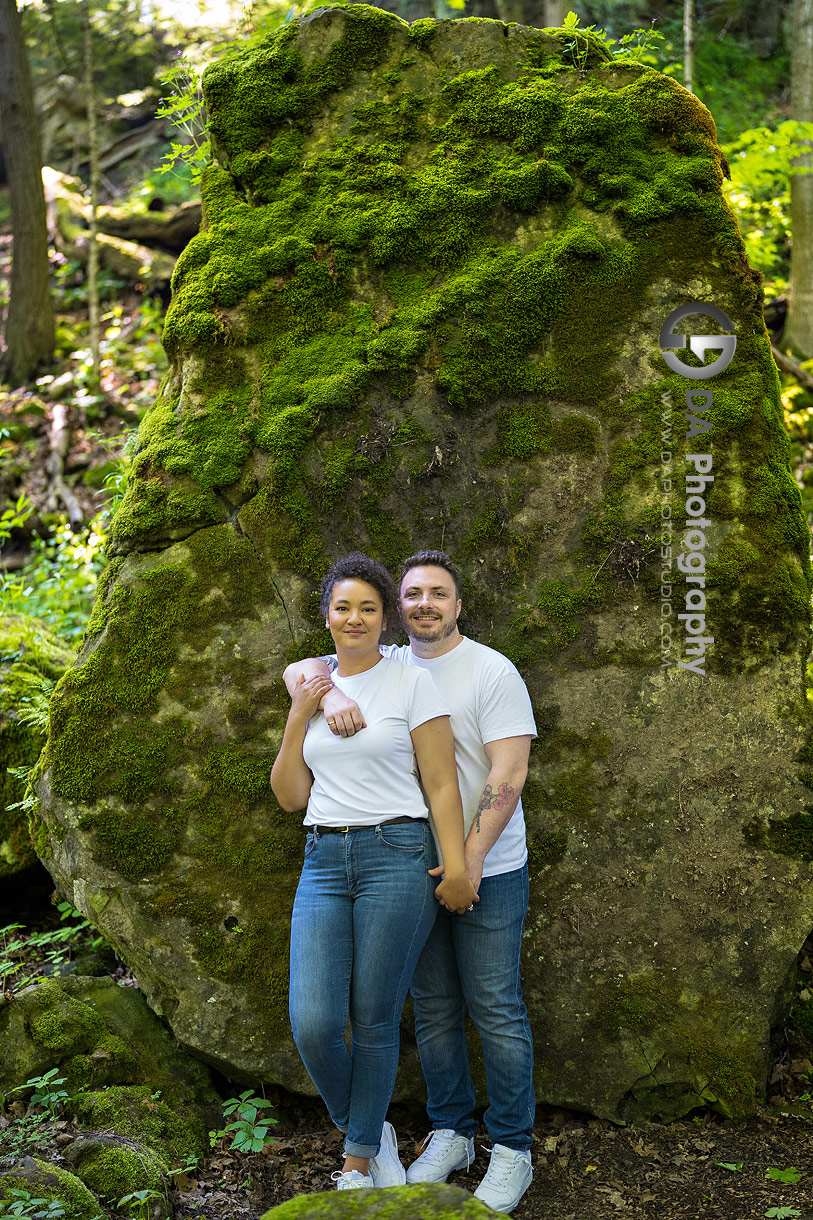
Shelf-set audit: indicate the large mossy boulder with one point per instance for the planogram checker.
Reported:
(425, 310)
(427, 1201)
(121, 1068)
(37, 1179)
(32, 658)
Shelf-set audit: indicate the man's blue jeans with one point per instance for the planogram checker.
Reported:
(364, 907)
(473, 961)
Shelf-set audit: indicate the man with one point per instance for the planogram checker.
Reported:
(470, 960)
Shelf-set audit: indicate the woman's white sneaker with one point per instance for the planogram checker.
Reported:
(385, 1167)
(351, 1179)
(508, 1176)
(444, 1152)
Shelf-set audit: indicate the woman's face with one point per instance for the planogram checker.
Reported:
(355, 615)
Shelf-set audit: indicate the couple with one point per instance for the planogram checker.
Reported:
(370, 919)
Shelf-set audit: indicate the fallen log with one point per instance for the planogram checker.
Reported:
(68, 229)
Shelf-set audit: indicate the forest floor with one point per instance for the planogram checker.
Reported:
(584, 1169)
(701, 1167)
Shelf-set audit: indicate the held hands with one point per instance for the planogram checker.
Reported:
(455, 892)
(343, 715)
(307, 696)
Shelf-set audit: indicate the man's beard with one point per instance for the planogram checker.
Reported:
(441, 633)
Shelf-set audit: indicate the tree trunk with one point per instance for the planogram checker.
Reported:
(799, 326)
(688, 45)
(555, 12)
(510, 10)
(30, 322)
(93, 248)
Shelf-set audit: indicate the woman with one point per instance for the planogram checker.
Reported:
(365, 902)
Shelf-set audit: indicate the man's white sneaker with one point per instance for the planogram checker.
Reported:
(385, 1167)
(508, 1176)
(444, 1152)
(351, 1179)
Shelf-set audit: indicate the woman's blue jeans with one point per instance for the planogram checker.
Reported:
(364, 907)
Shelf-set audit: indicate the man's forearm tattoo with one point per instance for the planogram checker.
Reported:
(494, 800)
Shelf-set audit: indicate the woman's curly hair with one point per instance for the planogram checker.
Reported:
(356, 566)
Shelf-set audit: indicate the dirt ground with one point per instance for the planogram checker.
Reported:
(584, 1169)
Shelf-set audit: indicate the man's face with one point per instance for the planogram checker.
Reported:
(429, 604)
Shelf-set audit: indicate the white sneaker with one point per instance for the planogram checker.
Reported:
(351, 1179)
(508, 1176)
(385, 1167)
(445, 1151)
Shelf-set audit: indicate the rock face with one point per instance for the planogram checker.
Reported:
(425, 310)
(32, 658)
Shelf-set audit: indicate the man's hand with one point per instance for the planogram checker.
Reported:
(343, 715)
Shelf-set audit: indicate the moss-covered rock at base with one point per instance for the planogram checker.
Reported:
(427, 1201)
(424, 309)
(42, 1180)
(113, 1166)
(120, 1065)
(32, 659)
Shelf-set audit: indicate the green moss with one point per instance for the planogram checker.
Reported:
(548, 848)
(135, 1110)
(63, 1024)
(115, 1170)
(790, 836)
(44, 1180)
(427, 1200)
(111, 1061)
(32, 658)
(724, 1067)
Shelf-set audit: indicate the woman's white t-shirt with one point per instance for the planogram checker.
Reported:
(371, 776)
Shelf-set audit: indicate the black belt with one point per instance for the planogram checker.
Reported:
(342, 830)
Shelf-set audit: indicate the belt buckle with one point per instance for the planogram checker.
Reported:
(344, 829)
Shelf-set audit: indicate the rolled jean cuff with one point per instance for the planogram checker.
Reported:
(362, 1150)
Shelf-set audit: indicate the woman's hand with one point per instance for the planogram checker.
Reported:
(308, 694)
(456, 892)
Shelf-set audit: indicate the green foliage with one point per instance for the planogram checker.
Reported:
(637, 46)
(782, 1213)
(733, 1166)
(249, 1131)
(58, 581)
(15, 1202)
(761, 162)
(16, 517)
(26, 957)
(183, 106)
(28, 1133)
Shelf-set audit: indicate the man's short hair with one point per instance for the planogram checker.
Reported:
(433, 559)
(356, 566)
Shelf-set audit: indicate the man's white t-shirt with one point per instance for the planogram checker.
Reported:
(372, 776)
(488, 701)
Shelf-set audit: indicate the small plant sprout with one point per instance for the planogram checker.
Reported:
(782, 1213)
(732, 1166)
(789, 1176)
(249, 1131)
(138, 1203)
